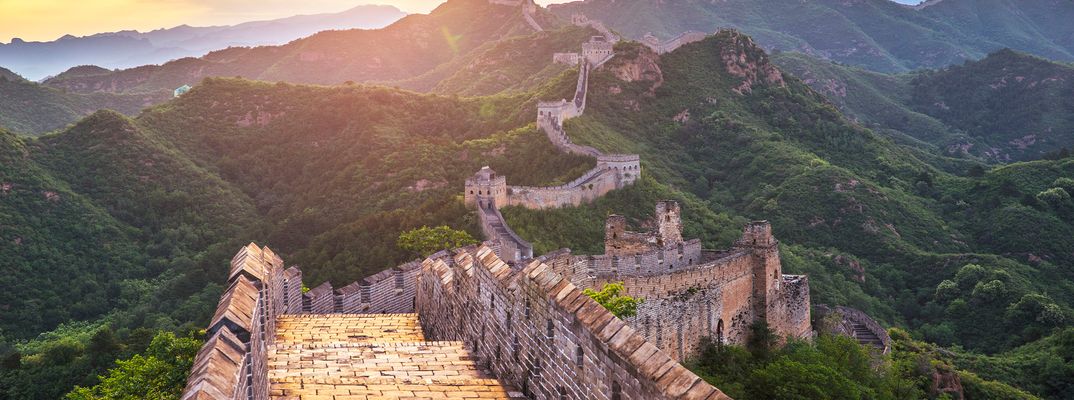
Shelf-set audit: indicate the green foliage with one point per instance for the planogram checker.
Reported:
(1007, 106)
(876, 35)
(158, 374)
(1012, 102)
(924, 364)
(832, 367)
(610, 297)
(32, 108)
(425, 240)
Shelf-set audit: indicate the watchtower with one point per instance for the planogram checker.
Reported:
(767, 272)
(669, 222)
(486, 189)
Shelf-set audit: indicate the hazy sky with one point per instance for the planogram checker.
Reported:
(50, 19)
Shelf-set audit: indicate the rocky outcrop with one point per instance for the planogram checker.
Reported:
(742, 58)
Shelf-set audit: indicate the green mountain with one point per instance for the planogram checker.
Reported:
(1006, 107)
(31, 108)
(874, 225)
(880, 35)
(414, 45)
(329, 177)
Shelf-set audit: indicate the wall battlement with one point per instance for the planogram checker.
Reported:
(530, 327)
(487, 191)
(529, 323)
(691, 293)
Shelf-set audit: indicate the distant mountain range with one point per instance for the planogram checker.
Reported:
(876, 34)
(413, 46)
(33, 108)
(463, 47)
(125, 49)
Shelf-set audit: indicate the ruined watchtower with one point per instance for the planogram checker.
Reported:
(486, 189)
(620, 242)
(767, 272)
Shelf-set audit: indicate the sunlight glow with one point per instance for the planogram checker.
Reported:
(44, 20)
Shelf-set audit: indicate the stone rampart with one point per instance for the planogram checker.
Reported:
(487, 191)
(529, 8)
(582, 20)
(566, 58)
(535, 330)
(690, 293)
(231, 363)
(511, 246)
(670, 45)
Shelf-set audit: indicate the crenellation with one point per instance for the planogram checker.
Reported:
(322, 299)
(532, 335)
(691, 293)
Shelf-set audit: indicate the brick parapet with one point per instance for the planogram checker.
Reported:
(231, 363)
(528, 326)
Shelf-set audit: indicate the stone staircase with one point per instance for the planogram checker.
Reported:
(371, 356)
(866, 336)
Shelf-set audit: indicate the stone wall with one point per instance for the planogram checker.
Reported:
(566, 58)
(536, 331)
(530, 324)
(670, 45)
(692, 293)
(597, 50)
(231, 364)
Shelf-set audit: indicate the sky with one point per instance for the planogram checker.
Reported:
(43, 20)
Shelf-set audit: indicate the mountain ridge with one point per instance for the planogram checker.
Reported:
(1008, 106)
(877, 34)
(128, 48)
(334, 57)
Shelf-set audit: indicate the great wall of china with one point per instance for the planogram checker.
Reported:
(492, 321)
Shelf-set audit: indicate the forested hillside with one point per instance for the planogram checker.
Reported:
(136, 218)
(31, 108)
(875, 226)
(1006, 107)
(880, 35)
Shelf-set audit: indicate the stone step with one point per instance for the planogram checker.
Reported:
(348, 389)
(347, 328)
(426, 360)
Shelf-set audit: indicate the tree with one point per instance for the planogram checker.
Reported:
(425, 240)
(160, 373)
(609, 296)
(1056, 197)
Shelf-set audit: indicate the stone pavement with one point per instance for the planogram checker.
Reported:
(372, 356)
